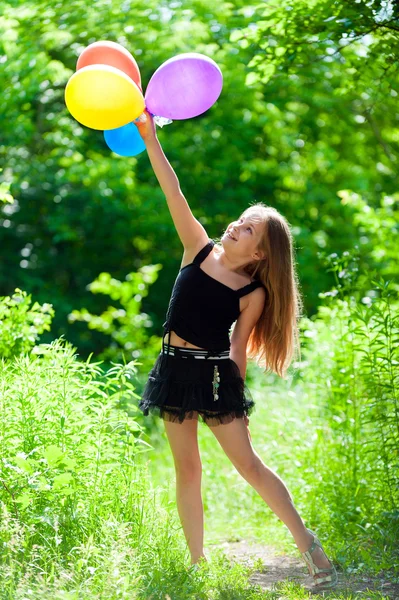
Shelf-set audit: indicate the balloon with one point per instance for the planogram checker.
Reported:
(125, 141)
(184, 86)
(112, 54)
(103, 97)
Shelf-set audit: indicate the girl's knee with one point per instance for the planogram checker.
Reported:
(188, 471)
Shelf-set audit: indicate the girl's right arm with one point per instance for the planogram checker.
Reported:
(190, 231)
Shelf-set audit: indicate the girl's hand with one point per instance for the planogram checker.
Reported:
(146, 126)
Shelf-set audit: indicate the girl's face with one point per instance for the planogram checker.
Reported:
(247, 231)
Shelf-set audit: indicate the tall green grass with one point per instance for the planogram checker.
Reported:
(351, 358)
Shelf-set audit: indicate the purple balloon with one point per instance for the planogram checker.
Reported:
(184, 86)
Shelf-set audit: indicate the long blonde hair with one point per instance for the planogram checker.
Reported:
(275, 337)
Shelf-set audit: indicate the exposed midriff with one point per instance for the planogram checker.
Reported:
(176, 340)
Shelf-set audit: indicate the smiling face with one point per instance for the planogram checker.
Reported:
(247, 231)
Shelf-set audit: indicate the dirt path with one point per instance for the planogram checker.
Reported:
(279, 567)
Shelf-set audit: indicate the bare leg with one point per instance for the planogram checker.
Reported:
(191, 512)
(235, 441)
(184, 445)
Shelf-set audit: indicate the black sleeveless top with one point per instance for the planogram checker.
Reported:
(201, 308)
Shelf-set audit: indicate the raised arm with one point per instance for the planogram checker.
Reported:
(189, 229)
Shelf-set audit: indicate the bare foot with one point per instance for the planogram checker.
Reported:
(199, 560)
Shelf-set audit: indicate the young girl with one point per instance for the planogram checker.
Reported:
(248, 279)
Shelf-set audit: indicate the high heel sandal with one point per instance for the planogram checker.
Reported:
(331, 578)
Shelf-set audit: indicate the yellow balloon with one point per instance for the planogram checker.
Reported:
(103, 97)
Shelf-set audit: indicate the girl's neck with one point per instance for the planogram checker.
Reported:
(222, 260)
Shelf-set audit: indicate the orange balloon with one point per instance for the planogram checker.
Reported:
(112, 54)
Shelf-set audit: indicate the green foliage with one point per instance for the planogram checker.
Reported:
(354, 42)
(5, 195)
(46, 413)
(127, 326)
(378, 228)
(351, 358)
(21, 324)
(62, 439)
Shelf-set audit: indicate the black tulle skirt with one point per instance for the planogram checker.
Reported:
(182, 386)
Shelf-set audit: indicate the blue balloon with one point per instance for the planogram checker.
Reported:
(125, 140)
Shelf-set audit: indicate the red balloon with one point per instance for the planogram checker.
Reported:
(112, 54)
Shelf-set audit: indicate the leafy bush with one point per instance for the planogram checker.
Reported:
(351, 358)
(21, 324)
(126, 325)
(68, 457)
(5, 195)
